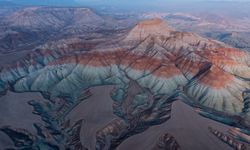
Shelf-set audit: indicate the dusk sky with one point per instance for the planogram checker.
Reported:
(113, 2)
(159, 5)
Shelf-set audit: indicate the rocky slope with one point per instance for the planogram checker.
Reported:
(230, 29)
(26, 28)
(151, 66)
(54, 18)
(235, 39)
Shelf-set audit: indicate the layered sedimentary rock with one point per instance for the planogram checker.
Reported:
(178, 65)
(228, 139)
(167, 142)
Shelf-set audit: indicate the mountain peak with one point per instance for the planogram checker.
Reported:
(151, 27)
(151, 22)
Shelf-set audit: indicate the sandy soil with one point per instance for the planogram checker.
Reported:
(15, 111)
(188, 128)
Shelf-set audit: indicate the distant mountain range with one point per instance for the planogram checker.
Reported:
(225, 28)
(25, 28)
(38, 2)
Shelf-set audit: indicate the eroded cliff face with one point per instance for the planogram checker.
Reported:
(156, 60)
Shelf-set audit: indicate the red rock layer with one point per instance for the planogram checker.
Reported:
(158, 67)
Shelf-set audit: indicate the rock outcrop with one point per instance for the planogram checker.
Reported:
(176, 65)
